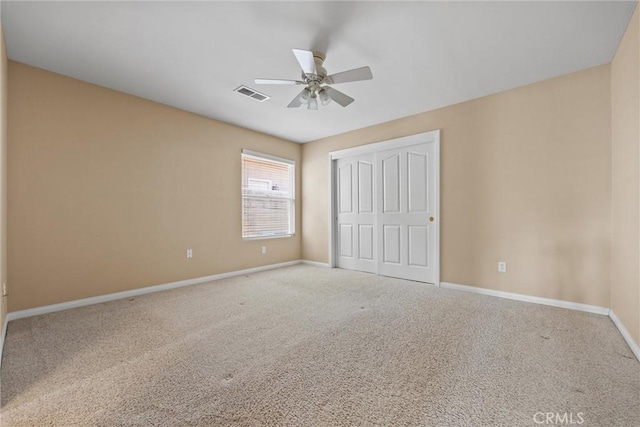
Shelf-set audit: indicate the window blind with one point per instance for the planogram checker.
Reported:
(268, 196)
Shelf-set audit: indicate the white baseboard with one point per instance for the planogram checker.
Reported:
(2, 335)
(527, 298)
(316, 263)
(625, 334)
(140, 291)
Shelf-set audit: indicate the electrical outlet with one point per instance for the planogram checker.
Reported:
(4, 289)
(189, 253)
(502, 267)
(264, 250)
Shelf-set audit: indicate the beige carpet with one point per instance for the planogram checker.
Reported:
(308, 346)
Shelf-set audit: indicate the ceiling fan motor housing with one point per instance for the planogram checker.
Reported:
(321, 73)
(318, 58)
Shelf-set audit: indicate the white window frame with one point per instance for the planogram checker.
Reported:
(292, 213)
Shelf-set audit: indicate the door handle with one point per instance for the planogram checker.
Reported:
(431, 219)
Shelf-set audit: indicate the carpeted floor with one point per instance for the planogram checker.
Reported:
(309, 346)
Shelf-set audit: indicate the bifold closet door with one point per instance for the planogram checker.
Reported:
(405, 212)
(356, 238)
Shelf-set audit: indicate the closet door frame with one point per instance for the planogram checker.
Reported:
(431, 137)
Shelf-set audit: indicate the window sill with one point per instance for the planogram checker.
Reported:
(268, 237)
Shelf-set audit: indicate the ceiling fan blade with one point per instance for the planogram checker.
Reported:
(357, 74)
(338, 96)
(306, 61)
(297, 101)
(278, 82)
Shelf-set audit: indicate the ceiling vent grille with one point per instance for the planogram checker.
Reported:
(253, 94)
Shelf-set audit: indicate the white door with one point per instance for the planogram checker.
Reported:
(406, 213)
(356, 241)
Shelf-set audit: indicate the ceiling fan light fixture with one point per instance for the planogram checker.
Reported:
(313, 102)
(325, 99)
(305, 95)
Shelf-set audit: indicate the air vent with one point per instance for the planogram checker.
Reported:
(246, 91)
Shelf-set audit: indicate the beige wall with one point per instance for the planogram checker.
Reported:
(625, 135)
(106, 191)
(526, 178)
(3, 175)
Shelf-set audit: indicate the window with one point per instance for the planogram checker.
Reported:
(268, 196)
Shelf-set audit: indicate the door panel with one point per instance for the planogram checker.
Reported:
(365, 187)
(365, 242)
(391, 184)
(405, 214)
(391, 244)
(346, 240)
(418, 191)
(418, 246)
(356, 213)
(345, 186)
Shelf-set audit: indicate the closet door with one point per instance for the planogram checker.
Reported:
(356, 234)
(406, 212)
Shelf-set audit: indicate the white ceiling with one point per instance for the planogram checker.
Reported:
(424, 55)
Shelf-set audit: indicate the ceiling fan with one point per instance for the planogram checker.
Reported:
(317, 82)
